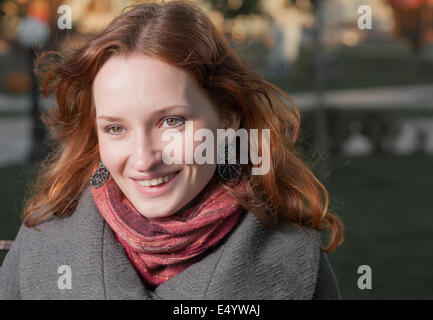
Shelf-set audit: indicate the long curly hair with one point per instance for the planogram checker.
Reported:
(181, 34)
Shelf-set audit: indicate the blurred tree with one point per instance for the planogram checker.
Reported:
(22, 23)
(322, 141)
(233, 8)
(414, 21)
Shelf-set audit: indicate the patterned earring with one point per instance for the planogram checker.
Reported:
(100, 176)
(228, 171)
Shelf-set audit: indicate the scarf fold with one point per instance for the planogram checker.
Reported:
(161, 248)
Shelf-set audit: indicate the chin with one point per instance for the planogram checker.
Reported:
(155, 214)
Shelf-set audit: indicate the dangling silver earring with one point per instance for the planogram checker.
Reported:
(226, 170)
(100, 176)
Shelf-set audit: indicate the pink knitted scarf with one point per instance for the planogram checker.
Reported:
(161, 248)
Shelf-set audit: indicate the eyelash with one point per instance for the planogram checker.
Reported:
(109, 128)
(182, 119)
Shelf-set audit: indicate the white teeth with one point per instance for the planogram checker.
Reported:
(155, 181)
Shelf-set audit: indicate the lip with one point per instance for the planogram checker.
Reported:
(155, 175)
(156, 190)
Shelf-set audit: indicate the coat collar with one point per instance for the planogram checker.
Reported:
(97, 256)
(251, 262)
(121, 281)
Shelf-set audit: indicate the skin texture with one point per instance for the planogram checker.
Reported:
(139, 91)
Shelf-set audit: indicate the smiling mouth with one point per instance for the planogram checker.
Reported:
(156, 182)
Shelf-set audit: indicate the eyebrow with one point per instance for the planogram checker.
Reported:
(159, 112)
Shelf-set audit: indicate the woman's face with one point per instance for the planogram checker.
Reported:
(137, 98)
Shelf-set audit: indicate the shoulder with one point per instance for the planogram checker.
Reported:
(326, 284)
(279, 262)
(285, 239)
(37, 253)
(302, 248)
(83, 219)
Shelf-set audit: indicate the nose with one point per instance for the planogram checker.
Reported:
(145, 156)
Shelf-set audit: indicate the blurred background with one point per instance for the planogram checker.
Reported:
(361, 72)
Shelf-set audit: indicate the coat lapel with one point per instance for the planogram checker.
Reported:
(123, 282)
(251, 262)
(193, 282)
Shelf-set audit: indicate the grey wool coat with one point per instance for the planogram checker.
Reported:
(251, 262)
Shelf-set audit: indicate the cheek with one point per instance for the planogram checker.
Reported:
(205, 171)
(111, 155)
(201, 174)
(206, 146)
(180, 146)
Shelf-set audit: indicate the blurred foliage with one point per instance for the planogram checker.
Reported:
(384, 204)
(17, 179)
(233, 8)
(20, 7)
(359, 67)
(1, 7)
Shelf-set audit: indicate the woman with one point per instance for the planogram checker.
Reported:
(156, 221)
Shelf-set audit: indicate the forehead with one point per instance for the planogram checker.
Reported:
(134, 81)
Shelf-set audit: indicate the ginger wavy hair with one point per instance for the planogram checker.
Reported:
(181, 34)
